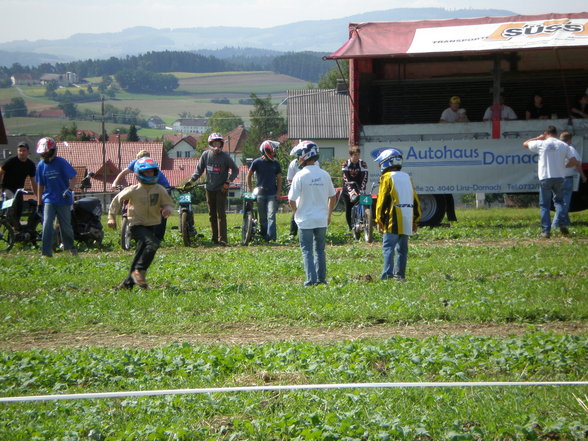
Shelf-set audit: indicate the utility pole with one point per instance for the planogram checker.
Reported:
(103, 149)
(119, 157)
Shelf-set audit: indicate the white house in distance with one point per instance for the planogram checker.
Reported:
(184, 148)
(320, 115)
(65, 79)
(190, 125)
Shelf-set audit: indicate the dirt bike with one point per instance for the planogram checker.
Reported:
(186, 222)
(362, 220)
(250, 225)
(12, 228)
(85, 223)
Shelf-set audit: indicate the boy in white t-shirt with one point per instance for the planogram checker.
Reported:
(312, 199)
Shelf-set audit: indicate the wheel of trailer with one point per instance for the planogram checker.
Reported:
(433, 208)
(125, 234)
(186, 228)
(6, 236)
(368, 226)
(579, 200)
(247, 228)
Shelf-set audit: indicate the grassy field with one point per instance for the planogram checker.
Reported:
(484, 300)
(194, 96)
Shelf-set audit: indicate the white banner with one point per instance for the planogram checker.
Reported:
(465, 166)
(549, 33)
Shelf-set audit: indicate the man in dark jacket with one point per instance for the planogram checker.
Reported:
(217, 165)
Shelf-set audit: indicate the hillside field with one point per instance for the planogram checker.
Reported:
(193, 96)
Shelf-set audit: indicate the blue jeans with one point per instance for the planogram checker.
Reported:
(63, 213)
(312, 244)
(395, 251)
(551, 188)
(267, 205)
(568, 189)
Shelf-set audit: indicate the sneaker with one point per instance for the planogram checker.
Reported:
(138, 277)
(545, 235)
(564, 231)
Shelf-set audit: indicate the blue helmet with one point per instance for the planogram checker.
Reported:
(144, 164)
(390, 158)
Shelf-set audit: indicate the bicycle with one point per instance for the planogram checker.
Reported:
(186, 224)
(12, 229)
(250, 225)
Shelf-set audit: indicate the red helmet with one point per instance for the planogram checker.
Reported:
(46, 147)
(268, 149)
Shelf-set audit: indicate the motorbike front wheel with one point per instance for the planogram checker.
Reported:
(125, 234)
(247, 228)
(187, 228)
(368, 225)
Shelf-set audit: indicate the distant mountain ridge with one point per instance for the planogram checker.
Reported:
(311, 35)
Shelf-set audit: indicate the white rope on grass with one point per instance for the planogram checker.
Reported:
(211, 390)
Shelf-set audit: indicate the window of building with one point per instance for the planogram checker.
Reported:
(178, 154)
(326, 153)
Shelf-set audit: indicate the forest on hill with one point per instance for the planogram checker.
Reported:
(308, 66)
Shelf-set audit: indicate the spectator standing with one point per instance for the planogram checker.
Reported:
(506, 112)
(355, 178)
(161, 180)
(217, 165)
(397, 213)
(537, 109)
(454, 113)
(55, 179)
(570, 172)
(269, 184)
(312, 199)
(148, 202)
(554, 157)
(14, 171)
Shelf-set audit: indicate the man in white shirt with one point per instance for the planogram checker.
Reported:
(312, 199)
(506, 112)
(554, 158)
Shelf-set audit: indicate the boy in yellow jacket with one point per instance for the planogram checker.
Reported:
(148, 203)
(397, 213)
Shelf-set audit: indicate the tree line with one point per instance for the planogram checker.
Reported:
(308, 66)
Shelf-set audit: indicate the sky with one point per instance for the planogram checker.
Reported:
(56, 19)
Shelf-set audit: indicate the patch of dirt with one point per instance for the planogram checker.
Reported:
(243, 335)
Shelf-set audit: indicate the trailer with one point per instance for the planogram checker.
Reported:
(402, 74)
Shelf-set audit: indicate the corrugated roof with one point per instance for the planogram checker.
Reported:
(318, 114)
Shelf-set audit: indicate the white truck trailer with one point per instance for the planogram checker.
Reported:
(402, 74)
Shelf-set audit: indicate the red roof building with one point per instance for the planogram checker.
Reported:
(89, 154)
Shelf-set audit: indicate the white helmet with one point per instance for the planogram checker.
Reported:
(305, 150)
(390, 158)
(216, 137)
